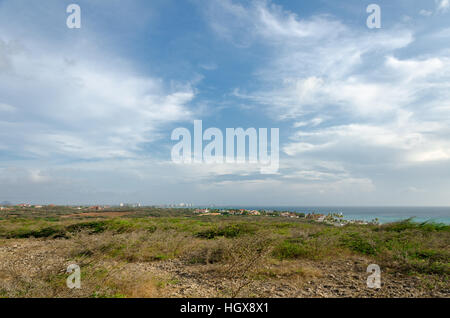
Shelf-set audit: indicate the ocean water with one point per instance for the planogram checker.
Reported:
(384, 214)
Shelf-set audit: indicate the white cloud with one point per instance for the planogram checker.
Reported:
(444, 33)
(413, 69)
(359, 104)
(443, 6)
(209, 66)
(382, 111)
(84, 107)
(425, 13)
(313, 122)
(437, 154)
(6, 108)
(295, 148)
(412, 144)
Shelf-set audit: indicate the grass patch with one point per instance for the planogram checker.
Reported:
(228, 231)
(291, 250)
(359, 244)
(410, 225)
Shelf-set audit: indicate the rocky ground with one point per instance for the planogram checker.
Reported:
(27, 267)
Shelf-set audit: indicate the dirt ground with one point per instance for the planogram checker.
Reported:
(27, 260)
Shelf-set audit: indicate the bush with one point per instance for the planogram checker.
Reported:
(290, 250)
(229, 231)
(358, 243)
(48, 232)
(92, 227)
(410, 225)
(211, 253)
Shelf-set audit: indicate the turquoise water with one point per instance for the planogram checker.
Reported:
(384, 214)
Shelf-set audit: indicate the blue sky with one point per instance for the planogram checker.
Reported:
(364, 114)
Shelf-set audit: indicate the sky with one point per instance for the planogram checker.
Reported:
(86, 115)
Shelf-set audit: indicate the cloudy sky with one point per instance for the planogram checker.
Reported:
(86, 114)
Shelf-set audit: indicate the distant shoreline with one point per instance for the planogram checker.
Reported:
(383, 214)
(350, 213)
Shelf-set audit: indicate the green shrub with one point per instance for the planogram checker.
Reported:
(47, 232)
(92, 227)
(209, 254)
(229, 231)
(410, 225)
(290, 250)
(357, 243)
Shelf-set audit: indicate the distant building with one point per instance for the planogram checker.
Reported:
(96, 208)
(130, 205)
(316, 217)
(201, 211)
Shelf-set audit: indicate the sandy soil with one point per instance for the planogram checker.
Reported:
(340, 278)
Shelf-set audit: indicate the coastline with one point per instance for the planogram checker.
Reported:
(353, 213)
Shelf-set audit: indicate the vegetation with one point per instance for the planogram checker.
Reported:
(238, 251)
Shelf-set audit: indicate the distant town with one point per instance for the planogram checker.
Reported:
(336, 219)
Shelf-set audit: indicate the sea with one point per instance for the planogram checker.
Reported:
(384, 214)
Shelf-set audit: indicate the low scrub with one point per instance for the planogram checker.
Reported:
(228, 231)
